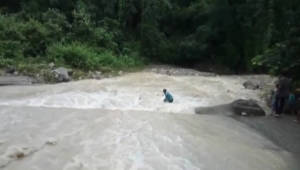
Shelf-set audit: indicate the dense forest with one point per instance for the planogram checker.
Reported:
(242, 35)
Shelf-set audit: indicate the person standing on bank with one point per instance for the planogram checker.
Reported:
(283, 85)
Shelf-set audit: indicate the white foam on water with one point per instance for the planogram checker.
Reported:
(121, 124)
(138, 91)
(109, 100)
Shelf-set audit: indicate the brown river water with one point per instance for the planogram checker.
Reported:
(121, 123)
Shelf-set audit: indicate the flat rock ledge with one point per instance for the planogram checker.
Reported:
(239, 107)
(16, 80)
(247, 107)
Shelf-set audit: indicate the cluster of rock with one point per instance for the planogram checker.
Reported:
(11, 77)
(51, 74)
(239, 107)
(247, 108)
(252, 85)
(95, 75)
(251, 107)
(16, 80)
(62, 74)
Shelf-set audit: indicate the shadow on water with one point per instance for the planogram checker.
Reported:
(224, 109)
(282, 131)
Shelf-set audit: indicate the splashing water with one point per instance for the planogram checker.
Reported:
(122, 123)
(138, 91)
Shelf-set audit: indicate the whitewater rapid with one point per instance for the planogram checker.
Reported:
(122, 123)
(136, 91)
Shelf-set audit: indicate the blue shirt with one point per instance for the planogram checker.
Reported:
(169, 97)
(292, 99)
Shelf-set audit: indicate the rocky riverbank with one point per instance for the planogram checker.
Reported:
(50, 74)
(55, 74)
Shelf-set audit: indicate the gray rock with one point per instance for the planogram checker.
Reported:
(224, 109)
(251, 85)
(268, 99)
(97, 75)
(16, 73)
(250, 107)
(90, 75)
(61, 74)
(51, 65)
(10, 70)
(70, 71)
(16, 80)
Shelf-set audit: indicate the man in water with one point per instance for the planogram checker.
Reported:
(168, 96)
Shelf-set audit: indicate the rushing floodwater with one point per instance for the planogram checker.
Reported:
(138, 91)
(122, 124)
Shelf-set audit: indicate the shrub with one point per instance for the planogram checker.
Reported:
(10, 37)
(10, 49)
(129, 61)
(104, 38)
(81, 56)
(4, 62)
(56, 24)
(279, 60)
(75, 54)
(20, 38)
(154, 43)
(82, 23)
(36, 36)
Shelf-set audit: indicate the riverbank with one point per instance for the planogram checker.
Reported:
(49, 73)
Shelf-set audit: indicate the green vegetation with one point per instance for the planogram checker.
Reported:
(244, 36)
(83, 57)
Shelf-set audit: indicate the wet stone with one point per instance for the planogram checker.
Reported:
(247, 107)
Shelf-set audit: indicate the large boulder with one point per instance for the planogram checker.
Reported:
(251, 85)
(61, 74)
(247, 107)
(16, 80)
(10, 70)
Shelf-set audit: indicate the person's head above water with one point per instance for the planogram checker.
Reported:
(165, 90)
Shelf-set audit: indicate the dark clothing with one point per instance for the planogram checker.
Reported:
(292, 104)
(279, 104)
(273, 101)
(282, 92)
(297, 94)
(283, 87)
